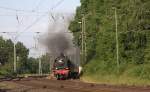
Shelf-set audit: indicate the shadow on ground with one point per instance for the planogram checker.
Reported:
(3, 90)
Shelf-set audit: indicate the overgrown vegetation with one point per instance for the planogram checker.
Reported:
(133, 18)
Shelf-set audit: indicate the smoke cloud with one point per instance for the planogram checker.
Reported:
(58, 39)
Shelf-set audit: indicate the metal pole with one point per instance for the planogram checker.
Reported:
(52, 58)
(50, 64)
(40, 72)
(40, 66)
(82, 45)
(14, 57)
(117, 46)
(85, 49)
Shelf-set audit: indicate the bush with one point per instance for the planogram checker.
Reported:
(140, 71)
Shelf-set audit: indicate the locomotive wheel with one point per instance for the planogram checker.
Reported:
(74, 75)
(59, 77)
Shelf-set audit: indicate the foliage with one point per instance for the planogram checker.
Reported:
(133, 17)
(32, 65)
(7, 56)
(45, 63)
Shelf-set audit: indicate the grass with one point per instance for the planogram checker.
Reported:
(106, 73)
(112, 80)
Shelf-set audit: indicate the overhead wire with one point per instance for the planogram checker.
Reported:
(12, 9)
(37, 14)
(56, 5)
(37, 20)
(34, 10)
(40, 18)
(38, 4)
(60, 2)
(31, 25)
(20, 10)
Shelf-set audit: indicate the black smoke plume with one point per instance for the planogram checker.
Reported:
(58, 43)
(58, 38)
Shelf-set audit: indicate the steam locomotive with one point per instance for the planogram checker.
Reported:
(63, 68)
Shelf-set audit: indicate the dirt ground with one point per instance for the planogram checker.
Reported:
(47, 85)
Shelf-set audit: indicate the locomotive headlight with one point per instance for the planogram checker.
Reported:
(60, 61)
(66, 68)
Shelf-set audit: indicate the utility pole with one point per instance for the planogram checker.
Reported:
(15, 57)
(51, 63)
(40, 66)
(40, 70)
(84, 30)
(82, 44)
(117, 42)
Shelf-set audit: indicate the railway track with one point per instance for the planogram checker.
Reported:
(18, 78)
(46, 85)
(60, 86)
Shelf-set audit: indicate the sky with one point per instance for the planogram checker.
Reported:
(23, 18)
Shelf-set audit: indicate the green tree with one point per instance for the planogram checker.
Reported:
(133, 18)
(45, 59)
(22, 57)
(32, 65)
(7, 57)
